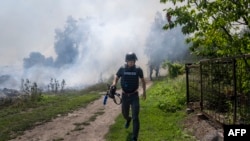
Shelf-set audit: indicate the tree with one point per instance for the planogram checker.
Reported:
(215, 27)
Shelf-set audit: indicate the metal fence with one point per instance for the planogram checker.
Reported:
(220, 88)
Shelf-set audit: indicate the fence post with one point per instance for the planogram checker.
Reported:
(201, 96)
(234, 90)
(187, 83)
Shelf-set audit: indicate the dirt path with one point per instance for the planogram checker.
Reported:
(86, 124)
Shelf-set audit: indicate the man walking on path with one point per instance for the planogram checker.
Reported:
(130, 74)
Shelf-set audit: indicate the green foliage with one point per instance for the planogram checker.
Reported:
(215, 28)
(174, 69)
(243, 77)
(169, 94)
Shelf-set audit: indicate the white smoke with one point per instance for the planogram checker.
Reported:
(164, 45)
(78, 55)
(87, 50)
(88, 44)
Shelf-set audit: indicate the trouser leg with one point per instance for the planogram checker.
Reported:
(135, 116)
(125, 107)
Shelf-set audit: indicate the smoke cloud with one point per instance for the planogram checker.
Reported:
(81, 48)
(164, 45)
(79, 52)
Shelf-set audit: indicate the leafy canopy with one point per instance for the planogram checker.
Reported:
(216, 28)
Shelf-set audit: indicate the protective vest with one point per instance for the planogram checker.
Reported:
(129, 78)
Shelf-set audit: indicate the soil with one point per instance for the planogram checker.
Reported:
(203, 128)
(92, 124)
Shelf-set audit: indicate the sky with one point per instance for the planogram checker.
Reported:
(106, 30)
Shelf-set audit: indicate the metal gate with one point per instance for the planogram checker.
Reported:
(220, 88)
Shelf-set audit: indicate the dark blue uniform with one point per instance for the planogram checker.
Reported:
(130, 84)
(130, 78)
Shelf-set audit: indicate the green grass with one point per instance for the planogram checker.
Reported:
(15, 119)
(157, 123)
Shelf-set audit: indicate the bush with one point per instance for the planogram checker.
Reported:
(170, 95)
(174, 69)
